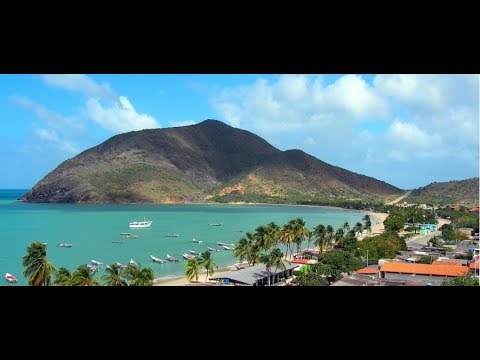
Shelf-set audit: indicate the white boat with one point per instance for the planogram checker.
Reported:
(140, 224)
(95, 262)
(65, 245)
(158, 260)
(120, 265)
(10, 278)
(227, 247)
(171, 235)
(197, 241)
(171, 258)
(188, 256)
(132, 262)
(194, 252)
(212, 249)
(222, 243)
(216, 224)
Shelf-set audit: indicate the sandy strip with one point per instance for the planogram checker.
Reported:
(182, 280)
(377, 220)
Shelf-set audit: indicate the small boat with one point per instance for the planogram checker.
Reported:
(44, 243)
(240, 231)
(197, 241)
(92, 268)
(227, 247)
(216, 224)
(120, 265)
(140, 224)
(132, 262)
(222, 243)
(10, 278)
(157, 260)
(194, 252)
(65, 245)
(117, 242)
(95, 262)
(171, 258)
(212, 249)
(171, 235)
(130, 236)
(188, 256)
(125, 234)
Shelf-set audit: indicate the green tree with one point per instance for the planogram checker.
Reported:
(319, 233)
(62, 277)
(113, 276)
(263, 237)
(206, 262)
(427, 259)
(467, 280)
(192, 269)
(329, 233)
(37, 267)
(310, 279)
(287, 235)
(244, 248)
(82, 276)
(301, 232)
(358, 228)
(138, 275)
(277, 259)
(368, 223)
(268, 260)
(339, 262)
(346, 226)
(255, 254)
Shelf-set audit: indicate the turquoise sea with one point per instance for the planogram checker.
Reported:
(94, 231)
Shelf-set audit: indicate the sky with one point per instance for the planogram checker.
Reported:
(407, 130)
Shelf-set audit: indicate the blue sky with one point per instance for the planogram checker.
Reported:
(407, 130)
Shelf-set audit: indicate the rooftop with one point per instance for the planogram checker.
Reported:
(251, 275)
(424, 269)
(372, 269)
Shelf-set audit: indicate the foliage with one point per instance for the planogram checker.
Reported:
(113, 276)
(467, 280)
(192, 268)
(435, 241)
(450, 234)
(138, 276)
(37, 267)
(336, 262)
(427, 259)
(62, 277)
(460, 218)
(310, 279)
(382, 246)
(205, 261)
(82, 276)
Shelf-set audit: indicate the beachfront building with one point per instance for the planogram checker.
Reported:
(257, 275)
(434, 274)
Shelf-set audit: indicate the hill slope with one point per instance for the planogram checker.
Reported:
(209, 160)
(464, 192)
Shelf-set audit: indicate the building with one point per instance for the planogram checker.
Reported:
(426, 273)
(257, 275)
(473, 210)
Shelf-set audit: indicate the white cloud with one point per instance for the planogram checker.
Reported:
(114, 113)
(309, 141)
(182, 123)
(81, 83)
(45, 134)
(397, 155)
(119, 117)
(409, 134)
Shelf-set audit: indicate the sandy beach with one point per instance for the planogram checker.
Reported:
(182, 280)
(377, 220)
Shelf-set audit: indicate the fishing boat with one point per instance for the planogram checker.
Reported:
(171, 235)
(132, 262)
(10, 278)
(171, 258)
(222, 243)
(95, 262)
(212, 249)
(194, 252)
(120, 265)
(216, 224)
(188, 256)
(227, 247)
(130, 236)
(197, 241)
(92, 268)
(65, 245)
(157, 260)
(140, 224)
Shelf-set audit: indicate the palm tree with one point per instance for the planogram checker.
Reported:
(301, 232)
(287, 235)
(192, 268)
(205, 261)
(368, 223)
(83, 276)
(113, 276)
(319, 233)
(277, 260)
(62, 277)
(138, 276)
(339, 234)
(358, 228)
(243, 248)
(263, 237)
(328, 235)
(37, 267)
(255, 254)
(268, 260)
(274, 233)
(346, 226)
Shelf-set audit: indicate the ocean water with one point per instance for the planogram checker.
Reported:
(94, 231)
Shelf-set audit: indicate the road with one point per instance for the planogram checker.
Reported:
(422, 240)
(399, 198)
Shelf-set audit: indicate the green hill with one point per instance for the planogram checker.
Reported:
(463, 192)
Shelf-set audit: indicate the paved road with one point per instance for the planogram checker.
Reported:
(422, 240)
(399, 198)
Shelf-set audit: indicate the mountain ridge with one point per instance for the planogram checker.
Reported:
(209, 161)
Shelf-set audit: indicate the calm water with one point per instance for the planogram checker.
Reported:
(94, 229)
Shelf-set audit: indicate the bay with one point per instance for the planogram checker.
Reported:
(94, 231)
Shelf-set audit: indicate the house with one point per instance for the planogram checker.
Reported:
(455, 207)
(427, 273)
(473, 210)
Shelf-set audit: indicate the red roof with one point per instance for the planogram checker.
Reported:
(424, 269)
(446, 262)
(367, 270)
(299, 261)
(473, 265)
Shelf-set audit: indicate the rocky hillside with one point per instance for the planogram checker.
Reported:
(463, 192)
(203, 162)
